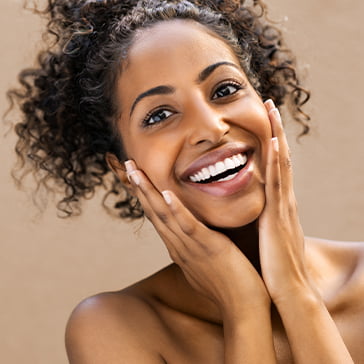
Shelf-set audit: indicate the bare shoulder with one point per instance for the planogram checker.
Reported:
(340, 279)
(114, 327)
(351, 249)
(347, 252)
(342, 268)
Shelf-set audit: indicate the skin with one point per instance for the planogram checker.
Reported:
(244, 276)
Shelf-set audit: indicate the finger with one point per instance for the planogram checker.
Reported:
(156, 210)
(269, 105)
(180, 220)
(205, 240)
(156, 207)
(275, 119)
(273, 186)
(285, 157)
(169, 238)
(185, 237)
(153, 203)
(167, 230)
(190, 235)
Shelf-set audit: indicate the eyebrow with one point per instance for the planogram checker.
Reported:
(166, 90)
(159, 90)
(208, 70)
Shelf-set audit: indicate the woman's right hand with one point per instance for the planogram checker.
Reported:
(210, 261)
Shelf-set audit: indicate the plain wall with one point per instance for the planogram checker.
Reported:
(48, 265)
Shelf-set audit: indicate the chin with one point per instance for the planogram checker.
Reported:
(233, 217)
(233, 222)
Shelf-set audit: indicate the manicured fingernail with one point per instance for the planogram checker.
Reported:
(275, 144)
(167, 197)
(128, 166)
(277, 114)
(135, 178)
(270, 104)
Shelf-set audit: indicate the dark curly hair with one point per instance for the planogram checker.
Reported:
(67, 102)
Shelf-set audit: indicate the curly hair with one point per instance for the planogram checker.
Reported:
(67, 101)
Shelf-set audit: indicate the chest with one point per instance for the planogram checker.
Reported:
(189, 340)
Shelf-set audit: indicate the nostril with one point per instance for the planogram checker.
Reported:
(208, 127)
(201, 141)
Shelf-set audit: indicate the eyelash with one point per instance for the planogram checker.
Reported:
(235, 84)
(152, 113)
(162, 109)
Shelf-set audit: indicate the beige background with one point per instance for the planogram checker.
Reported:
(48, 264)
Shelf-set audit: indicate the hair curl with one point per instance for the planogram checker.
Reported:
(67, 101)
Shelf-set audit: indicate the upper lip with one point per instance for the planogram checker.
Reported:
(227, 151)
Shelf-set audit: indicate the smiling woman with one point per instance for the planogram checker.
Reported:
(207, 113)
(179, 100)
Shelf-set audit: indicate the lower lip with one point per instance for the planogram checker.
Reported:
(227, 188)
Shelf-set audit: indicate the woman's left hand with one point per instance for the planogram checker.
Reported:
(281, 240)
(311, 331)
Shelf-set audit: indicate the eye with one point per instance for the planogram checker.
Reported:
(156, 117)
(226, 89)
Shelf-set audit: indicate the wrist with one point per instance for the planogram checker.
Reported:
(237, 317)
(300, 293)
(307, 301)
(317, 331)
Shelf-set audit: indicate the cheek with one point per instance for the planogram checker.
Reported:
(251, 115)
(155, 157)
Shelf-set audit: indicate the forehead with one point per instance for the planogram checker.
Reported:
(176, 49)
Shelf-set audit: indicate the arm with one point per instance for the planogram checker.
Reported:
(214, 267)
(312, 334)
(249, 340)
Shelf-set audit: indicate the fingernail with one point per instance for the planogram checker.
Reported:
(277, 114)
(167, 197)
(129, 166)
(275, 144)
(135, 178)
(270, 104)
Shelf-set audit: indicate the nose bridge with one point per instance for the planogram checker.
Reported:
(206, 123)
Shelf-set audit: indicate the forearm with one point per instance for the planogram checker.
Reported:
(249, 340)
(312, 333)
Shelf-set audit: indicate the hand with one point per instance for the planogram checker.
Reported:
(281, 240)
(311, 331)
(211, 263)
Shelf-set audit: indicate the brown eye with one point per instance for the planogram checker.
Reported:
(226, 90)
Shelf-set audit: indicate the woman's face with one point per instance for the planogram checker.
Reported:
(193, 123)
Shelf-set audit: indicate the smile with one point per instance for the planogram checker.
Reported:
(224, 171)
(221, 171)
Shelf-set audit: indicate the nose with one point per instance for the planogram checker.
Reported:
(206, 125)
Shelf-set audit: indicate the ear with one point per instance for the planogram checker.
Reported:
(117, 168)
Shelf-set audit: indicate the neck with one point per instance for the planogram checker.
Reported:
(246, 238)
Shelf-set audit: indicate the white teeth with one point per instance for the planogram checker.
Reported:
(220, 167)
(206, 173)
(227, 178)
(236, 161)
(242, 158)
(229, 163)
(212, 171)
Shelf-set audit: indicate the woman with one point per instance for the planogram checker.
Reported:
(175, 90)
